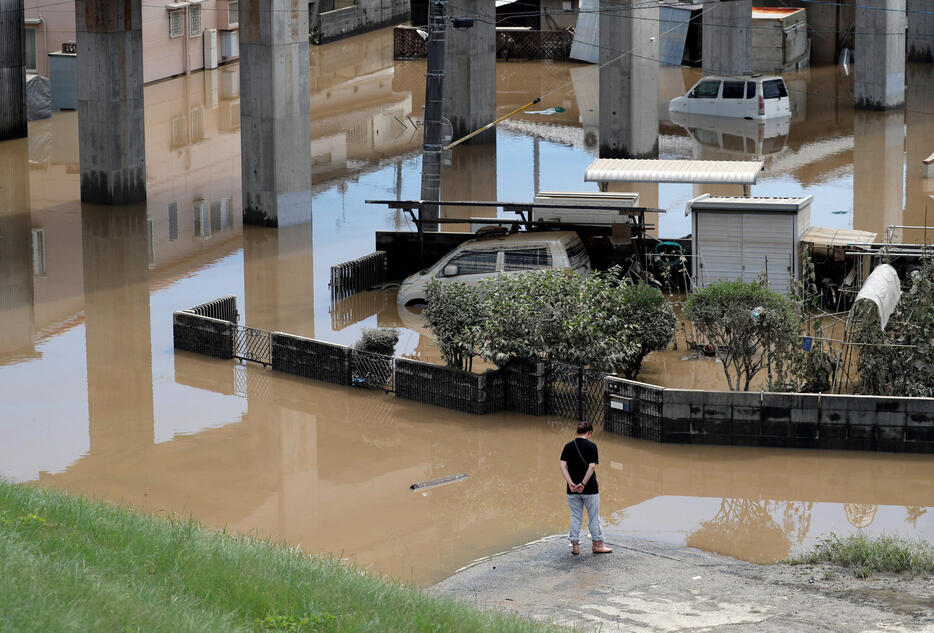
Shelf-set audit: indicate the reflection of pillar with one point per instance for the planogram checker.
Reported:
(919, 206)
(275, 112)
(117, 327)
(628, 79)
(878, 161)
(470, 70)
(471, 176)
(879, 83)
(12, 70)
(16, 256)
(111, 132)
(726, 34)
(920, 31)
(278, 284)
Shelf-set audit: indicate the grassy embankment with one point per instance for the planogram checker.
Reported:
(871, 554)
(68, 564)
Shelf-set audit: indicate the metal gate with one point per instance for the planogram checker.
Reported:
(372, 371)
(575, 392)
(252, 344)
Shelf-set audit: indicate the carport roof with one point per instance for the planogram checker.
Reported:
(724, 172)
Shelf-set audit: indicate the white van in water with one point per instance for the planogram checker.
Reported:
(485, 257)
(748, 97)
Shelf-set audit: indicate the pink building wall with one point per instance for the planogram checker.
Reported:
(163, 56)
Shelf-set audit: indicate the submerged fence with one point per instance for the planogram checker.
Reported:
(533, 388)
(626, 407)
(359, 274)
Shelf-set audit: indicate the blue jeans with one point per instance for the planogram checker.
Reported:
(577, 503)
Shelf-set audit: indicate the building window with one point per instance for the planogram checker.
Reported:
(233, 13)
(32, 53)
(202, 218)
(176, 23)
(173, 221)
(179, 131)
(194, 20)
(197, 124)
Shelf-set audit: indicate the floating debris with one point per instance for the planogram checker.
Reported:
(438, 482)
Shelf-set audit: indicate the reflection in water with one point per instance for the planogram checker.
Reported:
(18, 260)
(471, 175)
(117, 327)
(85, 314)
(279, 275)
(748, 529)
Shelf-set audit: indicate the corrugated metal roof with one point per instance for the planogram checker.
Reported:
(825, 236)
(729, 172)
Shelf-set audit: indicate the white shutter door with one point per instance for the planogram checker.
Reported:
(719, 245)
(768, 241)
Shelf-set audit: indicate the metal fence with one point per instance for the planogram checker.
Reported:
(224, 308)
(252, 344)
(510, 44)
(359, 274)
(575, 393)
(372, 371)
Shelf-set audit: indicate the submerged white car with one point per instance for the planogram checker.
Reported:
(485, 257)
(748, 97)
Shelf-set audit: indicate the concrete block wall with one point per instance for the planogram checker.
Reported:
(449, 388)
(788, 420)
(366, 15)
(307, 357)
(202, 335)
(525, 388)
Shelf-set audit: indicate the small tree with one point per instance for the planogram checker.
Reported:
(653, 320)
(537, 315)
(453, 312)
(379, 340)
(558, 316)
(741, 320)
(790, 366)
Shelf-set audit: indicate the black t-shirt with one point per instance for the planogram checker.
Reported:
(577, 467)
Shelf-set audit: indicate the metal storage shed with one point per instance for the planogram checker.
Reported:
(743, 238)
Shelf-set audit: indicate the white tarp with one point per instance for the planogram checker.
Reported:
(884, 289)
(38, 98)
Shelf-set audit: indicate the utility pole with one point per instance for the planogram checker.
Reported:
(434, 100)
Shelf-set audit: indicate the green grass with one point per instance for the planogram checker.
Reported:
(69, 564)
(871, 554)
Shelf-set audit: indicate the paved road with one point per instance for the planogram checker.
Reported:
(657, 588)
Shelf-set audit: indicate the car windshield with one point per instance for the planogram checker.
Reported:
(774, 89)
(706, 90)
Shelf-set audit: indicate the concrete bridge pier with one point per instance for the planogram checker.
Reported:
(879, 82)
(470, 70)
(726, 42)
(111, 132)
(275, 112)
(920, 31)
(628, 79)
(12, 71)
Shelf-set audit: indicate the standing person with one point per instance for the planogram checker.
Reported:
(578, 465)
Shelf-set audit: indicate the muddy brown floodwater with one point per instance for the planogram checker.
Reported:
(94, 400)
